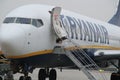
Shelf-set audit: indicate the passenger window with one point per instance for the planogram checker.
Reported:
(23, 20)
(9, 20)
(37, 22)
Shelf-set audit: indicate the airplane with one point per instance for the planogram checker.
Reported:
(30, 34)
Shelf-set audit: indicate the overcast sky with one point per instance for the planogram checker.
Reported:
(98, 9)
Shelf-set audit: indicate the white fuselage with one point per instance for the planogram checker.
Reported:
(24, 40)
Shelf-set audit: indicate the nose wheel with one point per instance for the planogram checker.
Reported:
(45, 73)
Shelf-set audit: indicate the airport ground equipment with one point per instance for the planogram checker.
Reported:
(85, 63)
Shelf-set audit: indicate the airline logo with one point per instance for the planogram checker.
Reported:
(84, 30)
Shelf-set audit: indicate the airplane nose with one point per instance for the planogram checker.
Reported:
(12, 40)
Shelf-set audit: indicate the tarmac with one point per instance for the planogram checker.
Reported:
(68, 74)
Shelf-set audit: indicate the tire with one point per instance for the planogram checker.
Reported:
(114, 76)
(22, 78)
(53, 75)
(42, 74)
(28, 78)
(1, 78)
(119, 77)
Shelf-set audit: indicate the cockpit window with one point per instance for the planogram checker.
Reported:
(37, 22)
(9, 20)
(34, 22)
(23, 20)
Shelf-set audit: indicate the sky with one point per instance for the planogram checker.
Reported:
(99, 9)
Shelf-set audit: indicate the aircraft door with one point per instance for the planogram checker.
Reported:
(56, 24)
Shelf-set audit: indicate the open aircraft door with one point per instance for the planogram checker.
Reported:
(56, 23)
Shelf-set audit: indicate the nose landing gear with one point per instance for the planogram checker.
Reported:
(45, 73)
(25, 69)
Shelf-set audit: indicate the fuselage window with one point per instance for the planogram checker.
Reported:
(23, 20)
(9, 20)
(37, 22)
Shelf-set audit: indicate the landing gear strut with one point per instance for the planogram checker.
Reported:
(116, 76)
(25, 69)
(45, 73)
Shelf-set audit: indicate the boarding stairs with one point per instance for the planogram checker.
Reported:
(78, 63)
(77, 55)
(84, 62)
